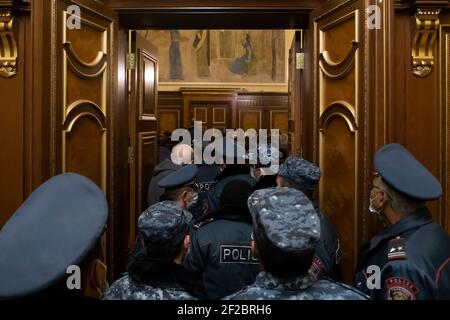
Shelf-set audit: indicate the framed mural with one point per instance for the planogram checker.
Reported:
(221, 57)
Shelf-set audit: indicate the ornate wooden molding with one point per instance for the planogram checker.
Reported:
(84, 108)
(338, 70)
(83, 69)
(8, 44)
(427, 26)
(408, 4)
(338, 109)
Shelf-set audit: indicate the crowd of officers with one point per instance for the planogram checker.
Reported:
(236, 231)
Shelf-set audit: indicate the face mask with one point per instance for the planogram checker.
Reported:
(371, 207)
(194, 199)
(252, 173)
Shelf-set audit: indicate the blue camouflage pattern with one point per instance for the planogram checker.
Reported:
(163, 225)
(303, 174)
(268, 287)
(287, 217)
(127, 289)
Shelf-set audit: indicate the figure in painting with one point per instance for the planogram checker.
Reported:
(176, 69)
(240, 65)
(201, 45)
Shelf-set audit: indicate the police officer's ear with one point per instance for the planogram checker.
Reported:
(384, 199)
(255, 251)
(281, 182)
(187, 242)
(95, 281)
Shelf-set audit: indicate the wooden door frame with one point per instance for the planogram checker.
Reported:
(188, 15)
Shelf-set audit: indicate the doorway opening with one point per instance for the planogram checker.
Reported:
(226, 69)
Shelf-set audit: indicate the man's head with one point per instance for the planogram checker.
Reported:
(401, 184)
(164, 230)
(180, 186)
(286, 229)
(299, 174)
(182, 154)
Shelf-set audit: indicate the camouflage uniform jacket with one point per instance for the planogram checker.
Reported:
(154, 281)
(268, 287)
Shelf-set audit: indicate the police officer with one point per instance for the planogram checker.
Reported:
(286, 229)
(179, 187)
(181, 155)
(233, 168)
(205, 180)
(303, 175)
(46, 247)
(220, 250)
(410, 259)
(157, 273)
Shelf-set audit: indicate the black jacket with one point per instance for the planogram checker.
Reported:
(268, 181)
(221, 252)
(414, 259)
(230, 173)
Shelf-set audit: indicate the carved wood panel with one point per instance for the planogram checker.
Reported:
(82, 86)
(339, 108)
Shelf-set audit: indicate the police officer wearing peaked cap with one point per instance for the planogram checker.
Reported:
(286, 229)
(179, 187)
(157, 273)
(303, 175)
(412, 252)
(55, 228)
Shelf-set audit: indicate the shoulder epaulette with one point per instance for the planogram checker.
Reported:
(396, 249)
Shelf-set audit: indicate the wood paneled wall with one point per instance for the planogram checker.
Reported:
(418, 117)
(59, 107)
(252, 110)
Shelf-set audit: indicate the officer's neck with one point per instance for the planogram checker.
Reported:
(392, 216)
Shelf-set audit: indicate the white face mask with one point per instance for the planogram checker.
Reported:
(194, 199)
(371, 207)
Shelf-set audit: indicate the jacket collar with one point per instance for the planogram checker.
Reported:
(231, 212)
(269, 281)
(413, 221)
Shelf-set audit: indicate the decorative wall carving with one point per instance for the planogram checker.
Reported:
(427, 26)
(8, 44)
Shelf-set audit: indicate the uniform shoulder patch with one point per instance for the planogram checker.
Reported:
(396, 249)
(316, 267)
(398, 288)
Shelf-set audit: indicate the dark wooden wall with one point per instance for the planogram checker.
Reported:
(242, 110)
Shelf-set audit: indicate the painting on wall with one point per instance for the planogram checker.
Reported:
(220, 56)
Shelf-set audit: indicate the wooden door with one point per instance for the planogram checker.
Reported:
(296, 67)
(342, 101)
(142, 107)
(212, 116)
